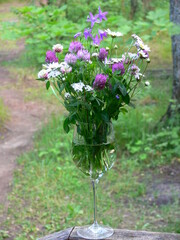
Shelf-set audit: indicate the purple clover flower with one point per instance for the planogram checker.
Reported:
(93, 19)
(84, 55)
(87, 33)
(117, 67)
(77, 35)
(51, 57)
(96, 40)
(102, 54)
(102, 34)
(75, 47)
(100, 81)
(102, 15)
(70, 58)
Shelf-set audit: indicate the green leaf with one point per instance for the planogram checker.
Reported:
(122, 89)
(119, 86)
(105, 116)
(40, 79)
(61, 87)
(47, 85)
(66, 125)
(126, 98)
(124, 110)
(143, 156)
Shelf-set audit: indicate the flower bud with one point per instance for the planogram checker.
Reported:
(107, 49)
(58, 48)
(147, 83)
(148, 60)
(96, 46)
(115, 47)
(95, 54)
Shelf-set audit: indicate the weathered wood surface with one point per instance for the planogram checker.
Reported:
(62, 235)
(120, 234)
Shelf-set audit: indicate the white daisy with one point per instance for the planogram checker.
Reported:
(143, 54)
(88, 88)
(78, 87)
(138, 75)
(43, 74)
(108, 62)
(95, 54)
(53, 65)
(54, 73)
(144, 47)
(116, 60)
(136, 37)
(133, 56)
(140, 44)
(113, 34)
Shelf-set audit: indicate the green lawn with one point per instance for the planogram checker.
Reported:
(50, 194)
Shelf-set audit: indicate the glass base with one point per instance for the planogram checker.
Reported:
(95, 231)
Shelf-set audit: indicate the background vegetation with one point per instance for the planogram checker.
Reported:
(45, 25)
(48, 193)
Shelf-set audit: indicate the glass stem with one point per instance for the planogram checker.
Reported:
(94, 202)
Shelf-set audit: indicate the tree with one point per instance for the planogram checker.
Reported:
(134, 7)
(174, 106)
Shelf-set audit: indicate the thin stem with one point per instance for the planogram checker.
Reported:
(95, 201)
(111, 46)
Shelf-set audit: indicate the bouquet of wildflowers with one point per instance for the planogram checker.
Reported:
(95, 81)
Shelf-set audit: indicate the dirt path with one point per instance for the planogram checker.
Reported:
(25, 118)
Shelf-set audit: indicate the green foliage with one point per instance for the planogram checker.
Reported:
(41, 26)
(44, 26)
(157, 148)
(3, 113)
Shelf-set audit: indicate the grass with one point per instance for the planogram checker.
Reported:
(49, 194)
(161, 56)
(8, 15)
(153, 101)
(3, 113)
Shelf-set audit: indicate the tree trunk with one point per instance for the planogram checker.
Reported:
(146, 5)
(134, 6)
(174, 106)
(175, 17)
